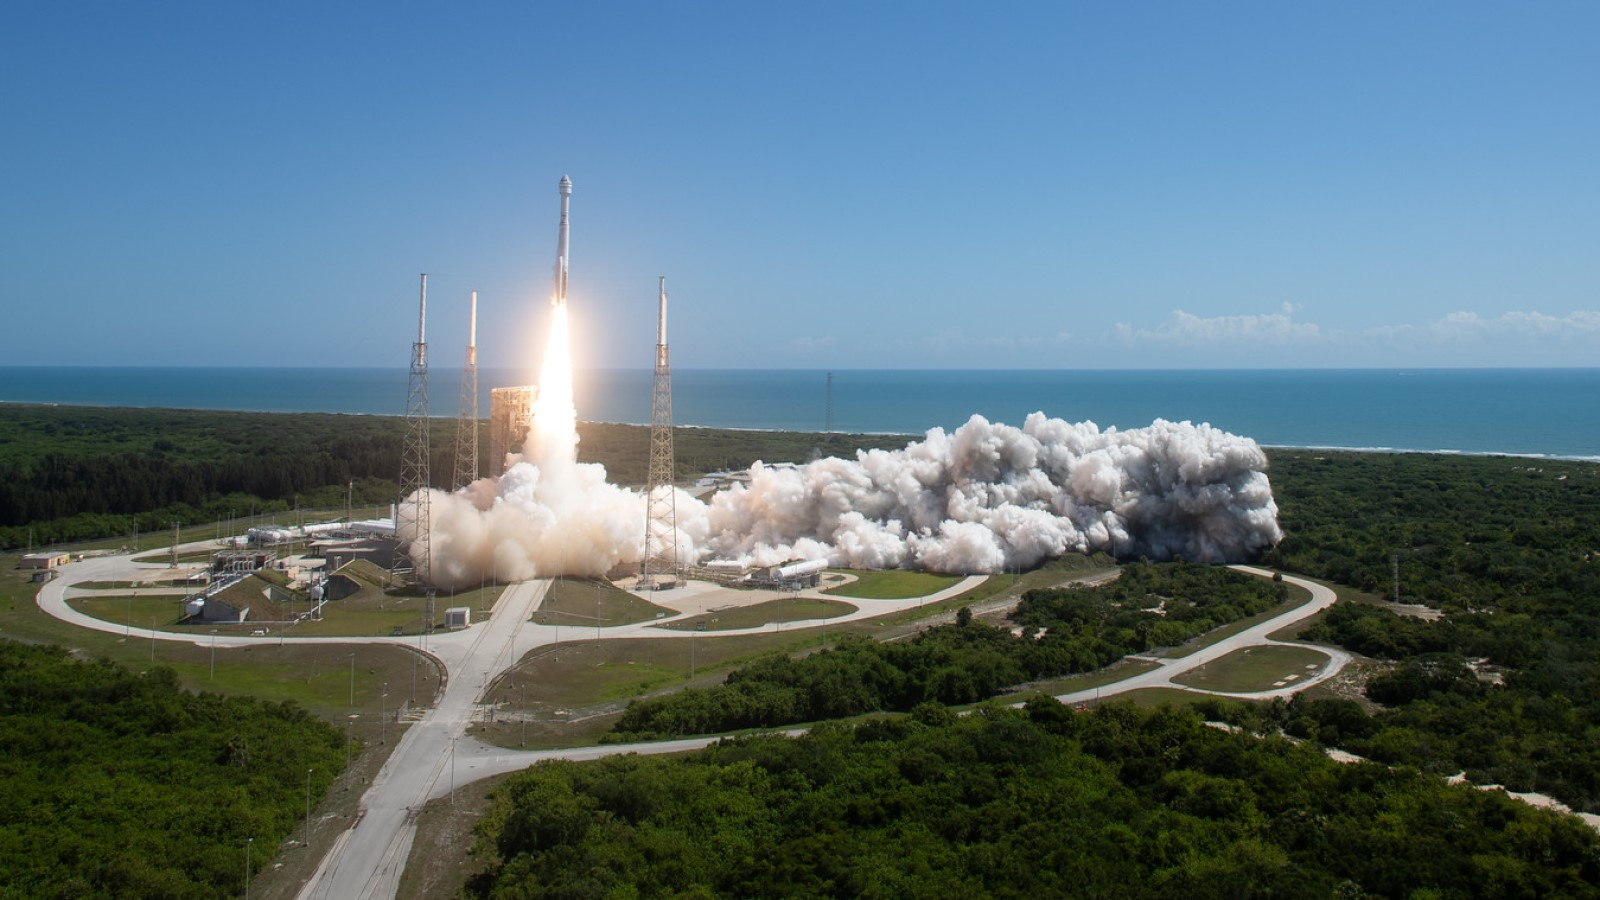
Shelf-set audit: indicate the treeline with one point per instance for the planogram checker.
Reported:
(1465, 531)
(1015, 803)
(79, 473)
(1064, 630)
(1505, 686)
(115, 784)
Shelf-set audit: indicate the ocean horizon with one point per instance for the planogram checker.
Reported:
(1520, 412)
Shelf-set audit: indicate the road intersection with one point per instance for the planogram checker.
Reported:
(434, 755)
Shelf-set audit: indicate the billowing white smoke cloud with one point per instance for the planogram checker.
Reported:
(983, 498)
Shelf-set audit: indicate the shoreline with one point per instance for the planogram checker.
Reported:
(1330, 448)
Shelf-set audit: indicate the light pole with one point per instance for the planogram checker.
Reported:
(452, 771)
(522, 713)
(383, 718)
(349, 729)
(249, 843)
(308, 807)
(352, 679)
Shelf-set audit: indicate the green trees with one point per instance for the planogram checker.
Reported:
(122, 785)
(1063, 631)
(1032, 802)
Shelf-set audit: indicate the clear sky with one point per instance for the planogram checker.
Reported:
(825, 185)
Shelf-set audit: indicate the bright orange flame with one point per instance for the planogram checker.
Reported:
(553, 441)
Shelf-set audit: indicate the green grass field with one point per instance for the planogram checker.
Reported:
(587, 601)
(140, 612)
(893, 584)
(317, 677)
(772, 612)
(1256, 669)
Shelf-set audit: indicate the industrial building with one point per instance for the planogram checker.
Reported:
(510, 417)
(38, 561)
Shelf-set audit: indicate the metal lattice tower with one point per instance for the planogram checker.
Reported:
(467, 417)
(412, 512)
(660, 564)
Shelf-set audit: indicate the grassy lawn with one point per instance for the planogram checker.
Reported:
(138, 584)
(140, 612)
(893, 584)
(1111, 674)
(1149, 698)
(377, 613)
(317, 678)
(777, 611)
(1256, 669)
(591, 602)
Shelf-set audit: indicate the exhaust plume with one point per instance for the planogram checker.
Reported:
(986, 497)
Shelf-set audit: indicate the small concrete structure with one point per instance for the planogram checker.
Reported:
(458, 617)
(50, 560)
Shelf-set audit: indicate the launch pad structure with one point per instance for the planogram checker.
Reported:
(659, 568)
(412, 515)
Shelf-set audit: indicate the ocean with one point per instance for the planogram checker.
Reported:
(1525, 412)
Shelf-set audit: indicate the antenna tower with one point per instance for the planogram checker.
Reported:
(412, 513)
(661, 516)
(467, 418)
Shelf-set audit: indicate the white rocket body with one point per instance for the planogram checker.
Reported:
(560, 297)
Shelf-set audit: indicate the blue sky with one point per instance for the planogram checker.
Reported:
(825, 185)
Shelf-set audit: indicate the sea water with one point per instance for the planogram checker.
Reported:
(1550, 412)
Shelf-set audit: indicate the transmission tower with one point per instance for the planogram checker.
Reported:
(412, 513)
(467, 418)
(660, 564)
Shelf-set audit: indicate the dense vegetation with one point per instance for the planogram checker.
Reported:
(1065, 630)
(1041, 802)
(115, 784)
(1508, 548)
(76, 473)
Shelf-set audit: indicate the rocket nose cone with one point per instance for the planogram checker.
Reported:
(566, 185)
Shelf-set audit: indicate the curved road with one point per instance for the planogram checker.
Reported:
(433, 755)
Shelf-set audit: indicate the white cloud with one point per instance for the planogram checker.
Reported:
(1188, 329)
(1461, 338)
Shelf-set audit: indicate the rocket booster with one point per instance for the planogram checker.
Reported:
(560, 297)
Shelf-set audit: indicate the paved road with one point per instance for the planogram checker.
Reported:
(434, 756)
(368, 858)
(1254, 636)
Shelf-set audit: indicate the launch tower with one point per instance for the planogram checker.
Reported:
(660, 565)
(412, 513)
(467, 415)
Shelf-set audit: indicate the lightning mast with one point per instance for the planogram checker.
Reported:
(412, 513)
(660, 564)
(467, 417)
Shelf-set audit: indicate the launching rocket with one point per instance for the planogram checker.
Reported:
(560, 297)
